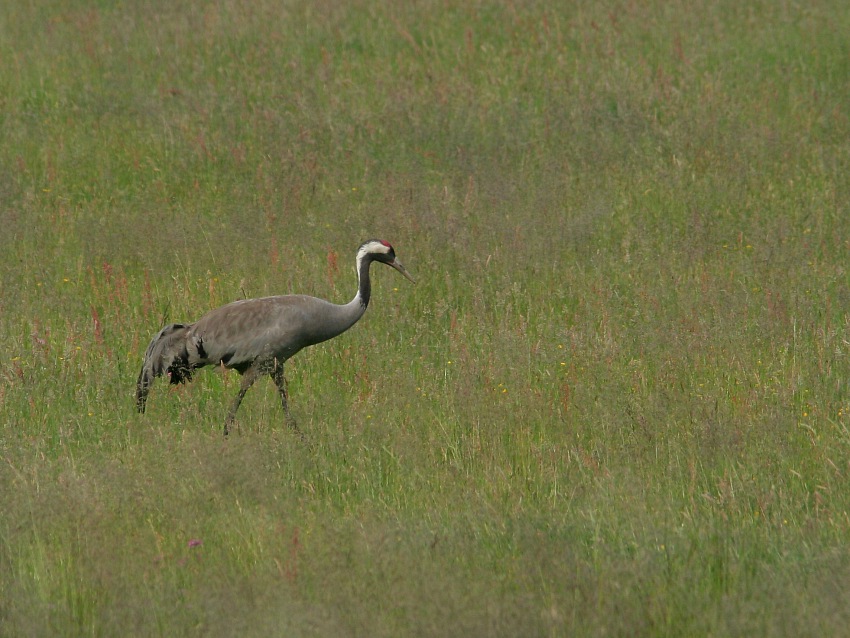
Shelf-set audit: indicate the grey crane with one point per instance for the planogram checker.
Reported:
(256, 336)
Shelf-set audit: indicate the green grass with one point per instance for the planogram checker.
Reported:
(616, 403)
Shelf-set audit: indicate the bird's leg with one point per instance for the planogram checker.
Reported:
(248, 379)
(280, 382)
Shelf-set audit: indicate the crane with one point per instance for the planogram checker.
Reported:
(255, 337)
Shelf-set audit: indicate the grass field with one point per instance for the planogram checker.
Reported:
(616, 403)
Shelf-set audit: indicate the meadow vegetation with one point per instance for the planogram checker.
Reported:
(616, 403)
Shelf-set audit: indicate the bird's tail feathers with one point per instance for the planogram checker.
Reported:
(167, 353)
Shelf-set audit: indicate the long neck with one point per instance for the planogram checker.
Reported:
(364, 286)
(326, 320)
(348, 314)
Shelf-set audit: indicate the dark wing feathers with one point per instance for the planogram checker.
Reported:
(166, 352)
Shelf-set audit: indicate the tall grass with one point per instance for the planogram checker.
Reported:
(615, 403)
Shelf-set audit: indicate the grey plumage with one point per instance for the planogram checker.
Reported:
(256, 336)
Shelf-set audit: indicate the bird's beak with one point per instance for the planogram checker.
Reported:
(395, 263)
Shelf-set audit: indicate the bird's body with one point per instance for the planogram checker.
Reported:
(256, 336)
(237, 334)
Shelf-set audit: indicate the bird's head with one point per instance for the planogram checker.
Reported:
(382, 251)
